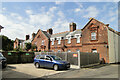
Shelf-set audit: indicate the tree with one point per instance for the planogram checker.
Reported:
(7, 44)
(28, 46)
(33, 47)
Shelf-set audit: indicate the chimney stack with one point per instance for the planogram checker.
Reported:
(107, 24)
(50, 31)
(33, 35)
(72, 27)
(27, 37)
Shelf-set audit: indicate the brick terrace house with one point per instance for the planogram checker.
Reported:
(17, 43)
(95, 37)
(42, 40)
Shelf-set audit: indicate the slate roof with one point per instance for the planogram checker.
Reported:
(46, 34)
(67, 33)
(78, 31)
(62, 34)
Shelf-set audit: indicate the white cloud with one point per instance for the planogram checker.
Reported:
(61, 24)
(80, 7)
(29, 11)
(3, 8)
(13, 29)
(77, 10)
(44, 18)
(41, 19)
(112, 19)
(91, 12)
(58, 2)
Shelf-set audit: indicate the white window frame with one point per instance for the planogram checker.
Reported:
(68, 50)
(59, 50)
(36, 43)
(52, 39)
(42, 42)
(94, 50)
(77, 50)
(59, 40)
(93, 35)
(69, 39)
(77, 38)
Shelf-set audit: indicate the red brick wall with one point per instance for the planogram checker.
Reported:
(100, 43)
(16, 44)
(73, 46)
(38, 38)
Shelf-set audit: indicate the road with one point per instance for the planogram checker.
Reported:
(101, 71)
(28, 71)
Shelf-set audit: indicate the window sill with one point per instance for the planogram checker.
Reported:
(93, 40)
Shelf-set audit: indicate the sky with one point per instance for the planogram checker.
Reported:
(24, 18)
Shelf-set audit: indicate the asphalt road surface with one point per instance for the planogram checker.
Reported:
(100, 71)
(28, 71)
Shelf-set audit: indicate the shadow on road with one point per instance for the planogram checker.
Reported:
(96, 66)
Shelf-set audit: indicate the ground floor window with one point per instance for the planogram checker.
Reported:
(59, 50)
(77, 50)
(52, 50)
(94, 50)
(69, 50)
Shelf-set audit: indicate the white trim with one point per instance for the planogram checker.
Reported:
(59, 38)
(69, 38)
(52, 39)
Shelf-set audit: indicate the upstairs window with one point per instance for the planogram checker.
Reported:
(69, 50)
(78, 38)
(52, 41)
(42, 42)
(59, 40)
(36, 43)
(69, 40)
(93, 36)
(77, 50)
(59, 50)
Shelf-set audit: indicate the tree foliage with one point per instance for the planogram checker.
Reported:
(28, 46)
(7, 44)
(33, 47)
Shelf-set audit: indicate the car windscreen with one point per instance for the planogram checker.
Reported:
(56, 58)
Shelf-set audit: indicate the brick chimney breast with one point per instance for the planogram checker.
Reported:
(50, 31)
(27, 37)
(72, 27)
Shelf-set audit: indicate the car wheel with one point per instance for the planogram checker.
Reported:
(56, 67)
(37, 65)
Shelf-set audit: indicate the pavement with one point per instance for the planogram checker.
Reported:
(99, 71)
(28, 71)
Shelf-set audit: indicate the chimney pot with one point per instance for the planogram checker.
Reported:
(27, 37)
(72, 27)
(50, 31)
(107, 24)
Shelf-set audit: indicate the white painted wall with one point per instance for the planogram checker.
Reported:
(113, 44)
